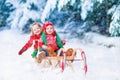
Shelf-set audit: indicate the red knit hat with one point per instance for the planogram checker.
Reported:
(47, 23)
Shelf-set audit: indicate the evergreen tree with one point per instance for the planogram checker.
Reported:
(114, 29)
(5, 9)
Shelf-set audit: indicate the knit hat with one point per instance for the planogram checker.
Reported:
(47, 23)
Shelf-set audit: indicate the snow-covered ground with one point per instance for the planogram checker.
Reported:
(103, 62)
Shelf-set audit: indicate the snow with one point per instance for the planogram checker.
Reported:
(61, 4)
(50, 6)
(86, 6)
(103, 62)
(114, 29)
(19, 17)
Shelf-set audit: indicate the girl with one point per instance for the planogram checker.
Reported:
(36, 30)
(51, 41)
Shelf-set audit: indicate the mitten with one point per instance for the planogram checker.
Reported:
(63, 42)
(34, 54)
(40, 49)
(21, 51)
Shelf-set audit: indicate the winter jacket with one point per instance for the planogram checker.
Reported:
(33, 39)
(56, 43)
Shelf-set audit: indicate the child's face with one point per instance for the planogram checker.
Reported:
(36, 29)
(49, 29)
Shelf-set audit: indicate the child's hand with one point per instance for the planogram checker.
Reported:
(64, 41)
(45, 47)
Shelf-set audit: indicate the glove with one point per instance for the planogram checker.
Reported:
(34, 54)
(21, 51)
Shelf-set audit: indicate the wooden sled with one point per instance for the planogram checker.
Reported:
(68, 56)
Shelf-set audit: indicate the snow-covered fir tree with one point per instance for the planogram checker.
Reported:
(63, 13)
(115, 24)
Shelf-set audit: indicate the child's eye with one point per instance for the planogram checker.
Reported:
(38, 28)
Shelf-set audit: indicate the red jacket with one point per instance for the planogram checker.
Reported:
(33, 39)
(51, 41)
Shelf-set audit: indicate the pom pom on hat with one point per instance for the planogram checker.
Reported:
(47, 23)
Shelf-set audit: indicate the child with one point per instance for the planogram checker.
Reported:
(51, 40)
(36, 30)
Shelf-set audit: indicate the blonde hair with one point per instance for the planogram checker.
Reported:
(33, 25)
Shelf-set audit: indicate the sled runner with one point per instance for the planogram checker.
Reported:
(67, 57)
